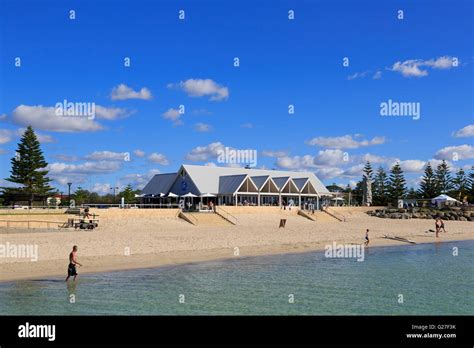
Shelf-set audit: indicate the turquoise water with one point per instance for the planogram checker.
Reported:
(431, 280)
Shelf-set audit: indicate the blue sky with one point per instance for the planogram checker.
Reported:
(424, 58)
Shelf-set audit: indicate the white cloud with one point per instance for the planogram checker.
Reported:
(247, 125)
(202, 127)
(269, 153)
(107, 156)
(158, 158)
(86, 168)
(345, 142)
(201, 88)
(173, 115)
(139, 153)
(328, 172)
(205, 153)
(377, 75)
(412, 166)
(355, 170)
(123, 92)
(138, 181)
(418, 67)
(357, 75)
(330, 157)
(111, 114)
(460, 152)
(465, 132)
(3, 117)
(66, 158)
(45, 118)
(296, 162)
(5, 136)
(101, 189)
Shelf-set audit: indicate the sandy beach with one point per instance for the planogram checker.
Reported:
(133, 238)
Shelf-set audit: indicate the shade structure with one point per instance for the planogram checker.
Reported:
(443, 198)
(189, 194)
(204, 195)
(171, 194)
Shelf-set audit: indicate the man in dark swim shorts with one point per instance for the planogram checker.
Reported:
(71, 270)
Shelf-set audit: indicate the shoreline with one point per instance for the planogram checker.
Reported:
(115, 263)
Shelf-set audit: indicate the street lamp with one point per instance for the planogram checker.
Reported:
(114, 188)
(69, 194)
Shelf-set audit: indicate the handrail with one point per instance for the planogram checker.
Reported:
(335, 215)
(228, 216)
(187, 216)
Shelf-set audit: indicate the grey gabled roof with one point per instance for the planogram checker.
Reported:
(300, 182)
(259, 180)
(206, 178)
(160, 183)
(230, 183)
(280, 181)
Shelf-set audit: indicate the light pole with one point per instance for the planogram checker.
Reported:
(69, 193)
(114, 188)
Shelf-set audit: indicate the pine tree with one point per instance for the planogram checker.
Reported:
(397, 183)
(128, 194)
(444, 182)
(471, 183)
(81, 196)
(461, 184)
(28, 168)
(380, 187)
(428, 186)
(368, 171)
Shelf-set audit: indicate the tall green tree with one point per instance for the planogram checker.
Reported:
(397, 184)
(81, 196)
(28, 168)
(428, 185)
(444, 182)
(128, 194)
(380, 187)
(368, 172)
(461, 184)
(471, 183)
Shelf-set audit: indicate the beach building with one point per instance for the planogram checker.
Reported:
(237, 186)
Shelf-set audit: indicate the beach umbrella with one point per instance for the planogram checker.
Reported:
(207, 195)
(189, 194)
(171, 194)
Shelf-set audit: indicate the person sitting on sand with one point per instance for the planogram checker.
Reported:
(367, 238)
(71, 270)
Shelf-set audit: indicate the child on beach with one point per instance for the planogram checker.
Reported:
(366, 238)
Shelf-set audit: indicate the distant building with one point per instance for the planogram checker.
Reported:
(236, 186)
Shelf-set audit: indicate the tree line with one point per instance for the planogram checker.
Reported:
(391, 186)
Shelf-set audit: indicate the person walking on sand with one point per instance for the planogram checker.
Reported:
(441, 226)
(71, 270)
(367, 238)
(438, 224)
